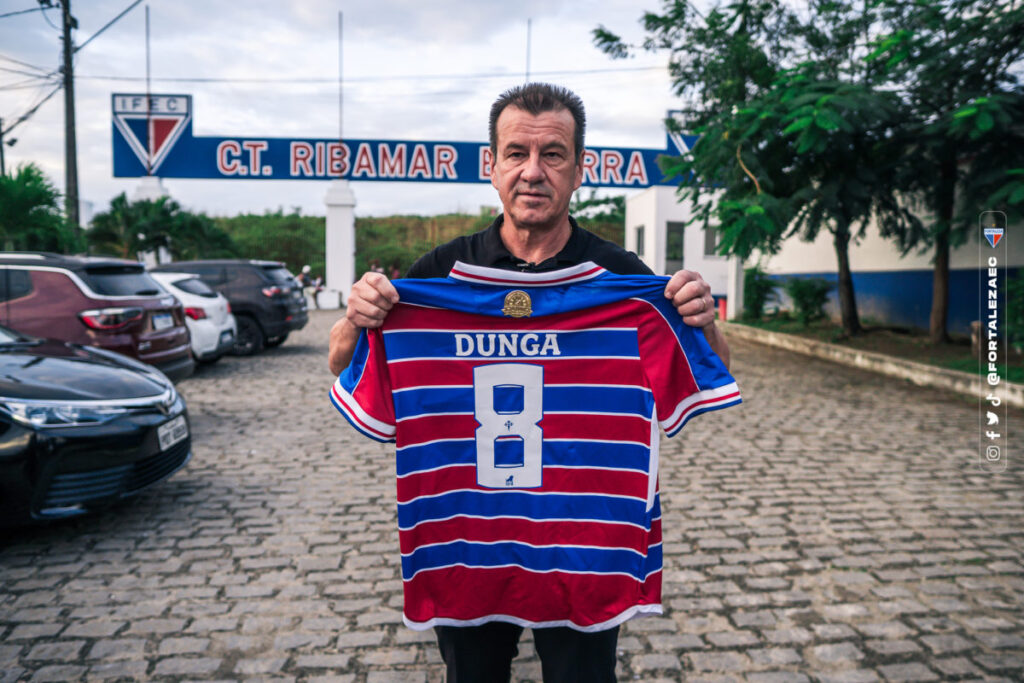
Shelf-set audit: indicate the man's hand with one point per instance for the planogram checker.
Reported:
(369, 302)
(691, 296)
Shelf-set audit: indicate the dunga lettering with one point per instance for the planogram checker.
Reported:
(506, 344)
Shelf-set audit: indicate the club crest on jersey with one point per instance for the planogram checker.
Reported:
(517, 304)
(151, 125)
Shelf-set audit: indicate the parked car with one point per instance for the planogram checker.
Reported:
(265, 298)
(98, 301)
(81, 427)
(207, 314)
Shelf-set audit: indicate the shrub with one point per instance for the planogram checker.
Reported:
(758, 290)
(809, 297)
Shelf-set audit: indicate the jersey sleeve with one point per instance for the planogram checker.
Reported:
(362, 393)
(685, 375)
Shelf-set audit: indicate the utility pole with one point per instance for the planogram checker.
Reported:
(70, 143)
(3, 169)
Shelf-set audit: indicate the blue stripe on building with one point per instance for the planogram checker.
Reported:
(904, 297)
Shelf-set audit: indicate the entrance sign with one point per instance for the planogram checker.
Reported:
(159, 141)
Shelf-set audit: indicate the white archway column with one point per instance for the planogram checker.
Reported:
(734, 304)
(341, 245)
(150, 189)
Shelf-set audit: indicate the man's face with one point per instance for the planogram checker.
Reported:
(535, 170)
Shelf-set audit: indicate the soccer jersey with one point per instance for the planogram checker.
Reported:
(525, 408)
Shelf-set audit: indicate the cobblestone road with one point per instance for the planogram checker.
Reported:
(832, 528)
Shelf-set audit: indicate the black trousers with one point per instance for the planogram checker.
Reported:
(483, 654)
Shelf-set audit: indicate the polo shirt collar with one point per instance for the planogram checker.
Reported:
(497, 254)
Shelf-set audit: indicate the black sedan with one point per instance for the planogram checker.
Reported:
(81, 427)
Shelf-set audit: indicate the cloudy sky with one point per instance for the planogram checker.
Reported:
(412, 70)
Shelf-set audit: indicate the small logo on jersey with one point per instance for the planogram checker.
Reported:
(993, 235)
(509, 482)
(517, 304)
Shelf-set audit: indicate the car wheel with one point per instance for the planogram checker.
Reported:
(276, 341)
(249, 339)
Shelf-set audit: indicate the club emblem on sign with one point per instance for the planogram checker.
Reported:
(151, 125)
(517, 304)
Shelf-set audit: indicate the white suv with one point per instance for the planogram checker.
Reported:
(207, 314)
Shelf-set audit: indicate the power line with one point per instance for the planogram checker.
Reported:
(107, 25)
(25, 64)
(22, 11)
(32, 110)
(370, 79)
(26, 84)
(26, 73)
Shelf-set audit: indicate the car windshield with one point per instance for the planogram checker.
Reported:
(121, 281)
(279, 275)
(194, 285)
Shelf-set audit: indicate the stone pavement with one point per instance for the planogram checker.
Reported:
(834, 527)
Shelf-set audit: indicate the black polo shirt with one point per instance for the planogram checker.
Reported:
(485, 248)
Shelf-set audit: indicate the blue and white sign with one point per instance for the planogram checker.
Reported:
(157, 140)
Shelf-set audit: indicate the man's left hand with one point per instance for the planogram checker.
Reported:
(691, 296)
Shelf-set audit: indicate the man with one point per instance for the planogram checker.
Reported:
(536, 137)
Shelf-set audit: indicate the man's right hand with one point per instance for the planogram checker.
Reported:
(369, 302)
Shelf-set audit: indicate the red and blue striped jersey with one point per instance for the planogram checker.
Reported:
(525, 410)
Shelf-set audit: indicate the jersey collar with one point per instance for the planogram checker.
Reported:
(510, 278)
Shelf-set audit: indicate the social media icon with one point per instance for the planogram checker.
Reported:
(993, 419)
(992, 453)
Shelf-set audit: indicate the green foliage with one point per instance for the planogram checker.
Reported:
(291, 238)
(397, 241)
(603, 216)
(1015, 311)
(30, 214)
(758, 290)
(957, 65)
(128, 228)
(809, 297)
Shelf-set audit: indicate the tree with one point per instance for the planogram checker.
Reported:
(30, 216)
(796, 139)
(953, 62)
(128, 229)
(292, 238)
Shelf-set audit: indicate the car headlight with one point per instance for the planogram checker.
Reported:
(58, 414)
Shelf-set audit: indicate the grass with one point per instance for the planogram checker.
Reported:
(899, 342)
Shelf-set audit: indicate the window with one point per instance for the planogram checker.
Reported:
(194, 285)
(121, 281)
(639, 230)
(674, 232)
(14, 284)
(712, 238)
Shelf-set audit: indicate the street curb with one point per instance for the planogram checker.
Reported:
(918, 373)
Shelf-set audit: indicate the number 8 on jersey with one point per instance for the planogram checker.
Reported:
(508, 405)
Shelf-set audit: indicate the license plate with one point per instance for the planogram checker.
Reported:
(227, 336)
(161, 321)
(172, 432)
